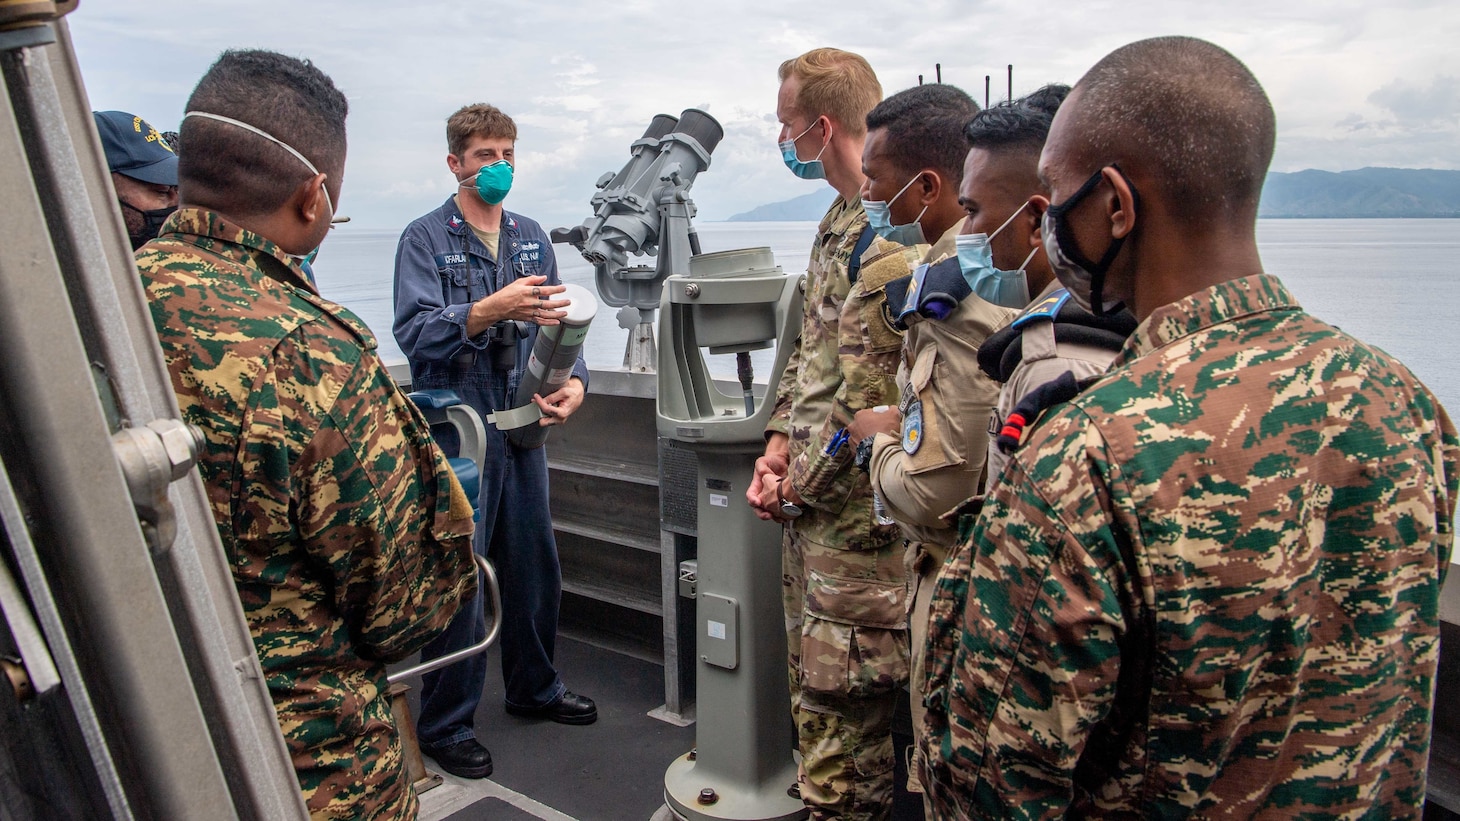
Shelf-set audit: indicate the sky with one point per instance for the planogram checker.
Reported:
(1354, 84)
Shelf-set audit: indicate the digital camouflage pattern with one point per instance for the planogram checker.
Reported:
(845, 360)
(843, 586)
(348, 534)
(1206, 587)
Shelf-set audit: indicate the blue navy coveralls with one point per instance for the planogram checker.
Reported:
(441, 268)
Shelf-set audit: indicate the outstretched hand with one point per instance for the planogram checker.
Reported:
(525, 299)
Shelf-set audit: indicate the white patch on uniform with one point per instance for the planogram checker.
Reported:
(912, 428)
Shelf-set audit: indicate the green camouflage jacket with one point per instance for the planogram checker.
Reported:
(1208, 586)
(845, 360)
(349, 535)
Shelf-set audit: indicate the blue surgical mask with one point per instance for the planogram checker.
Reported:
(811, 170)
(976, 259)
(879, 218)
(492, 182)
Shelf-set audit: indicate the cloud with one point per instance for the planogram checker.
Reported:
(583, 79)
(1416, 105)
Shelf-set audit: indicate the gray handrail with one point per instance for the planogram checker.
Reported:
(495, 594)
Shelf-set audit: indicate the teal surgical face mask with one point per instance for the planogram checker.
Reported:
(976, 259)
(811, 170)
(879, 218)
(302, 259)
(493, 182)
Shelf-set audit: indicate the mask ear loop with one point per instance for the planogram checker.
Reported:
(919, 217)
(824, 145)
(1009, 220)
(329, 202)
(904, 188)
(1025, 264)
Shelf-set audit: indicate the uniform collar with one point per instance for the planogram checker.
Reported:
(1221, 303)
(197, 226)
(946, 246)
(842, 217)
(456, 223)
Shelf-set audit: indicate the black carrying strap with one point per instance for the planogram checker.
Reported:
(1062, 388)
(1003, 351)
(864, 242)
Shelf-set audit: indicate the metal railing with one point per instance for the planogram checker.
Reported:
(494, 592)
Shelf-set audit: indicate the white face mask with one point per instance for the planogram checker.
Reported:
(329, 204)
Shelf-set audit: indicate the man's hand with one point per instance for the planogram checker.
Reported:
(560, 404)
(769, 470)
(525, 299)
(872, 421)
(772, 490)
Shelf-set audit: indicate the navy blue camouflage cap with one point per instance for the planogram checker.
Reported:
(135, 149)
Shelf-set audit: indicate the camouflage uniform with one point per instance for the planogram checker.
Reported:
(348, 534)
(945, 401)
(843, 582)
(1206, 587)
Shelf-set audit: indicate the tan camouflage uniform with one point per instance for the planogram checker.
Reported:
(348, 533)
(843, 581)
(939, 374)
(1207, 587)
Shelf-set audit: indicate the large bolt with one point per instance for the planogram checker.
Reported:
(181, 442)
(708, 796)
(692, 290)
(694, 753)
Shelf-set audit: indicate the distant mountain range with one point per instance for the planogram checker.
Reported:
(1365, 193)
(805, 208)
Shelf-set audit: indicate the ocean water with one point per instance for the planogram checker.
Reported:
(1392, 283)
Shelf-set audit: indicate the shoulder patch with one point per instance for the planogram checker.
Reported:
(889, 318)
(912, 428)
(1044, 309)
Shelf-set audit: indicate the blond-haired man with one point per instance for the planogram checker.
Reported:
(845, 590)
(473, 282)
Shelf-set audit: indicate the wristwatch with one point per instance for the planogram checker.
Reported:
(790, 511)
(863, 456)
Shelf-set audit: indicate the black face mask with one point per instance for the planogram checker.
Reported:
(151, 223)
(1084, 279)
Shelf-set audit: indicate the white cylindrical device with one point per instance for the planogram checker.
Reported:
(553, 355)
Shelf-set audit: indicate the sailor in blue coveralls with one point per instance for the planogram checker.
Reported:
(472, 284)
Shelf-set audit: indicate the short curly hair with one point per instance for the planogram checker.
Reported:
(477, 120)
